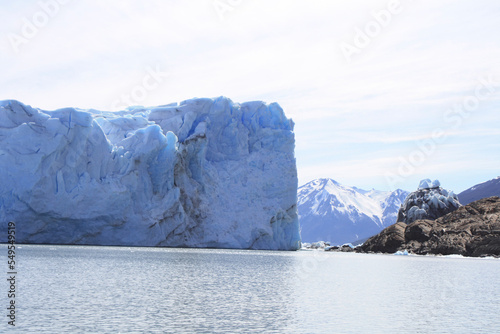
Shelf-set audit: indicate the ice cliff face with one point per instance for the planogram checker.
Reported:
(430, 201)
(202, 173)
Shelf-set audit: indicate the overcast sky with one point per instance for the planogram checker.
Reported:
(383, 93)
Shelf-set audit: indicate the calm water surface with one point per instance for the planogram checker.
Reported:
(66, 289)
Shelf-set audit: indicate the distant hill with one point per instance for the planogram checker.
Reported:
(479, 191)
(330, 211)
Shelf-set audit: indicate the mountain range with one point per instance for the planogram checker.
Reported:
(333, 212)
(480, 191)
(340, 214)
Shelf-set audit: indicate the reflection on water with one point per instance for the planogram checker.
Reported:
(113, 289)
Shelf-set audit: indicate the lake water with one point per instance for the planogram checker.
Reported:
(75, 289)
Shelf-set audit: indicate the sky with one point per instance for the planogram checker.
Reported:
(382, 93)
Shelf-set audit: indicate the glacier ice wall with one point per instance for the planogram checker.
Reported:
(202, 173)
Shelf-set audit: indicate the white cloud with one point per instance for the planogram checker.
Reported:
(394, 92)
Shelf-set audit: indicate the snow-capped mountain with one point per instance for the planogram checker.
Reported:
(479, 191)
(333, 212)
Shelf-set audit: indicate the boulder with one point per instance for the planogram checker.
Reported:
(418, 231)
(387, 241)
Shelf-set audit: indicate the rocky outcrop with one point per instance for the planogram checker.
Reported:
(347, 248)
(430, 201)
(387, 241)
(471, 230)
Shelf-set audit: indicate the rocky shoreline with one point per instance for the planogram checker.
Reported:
(472, 230)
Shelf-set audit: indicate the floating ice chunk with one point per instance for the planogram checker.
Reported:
(405, 252)
(319, 244)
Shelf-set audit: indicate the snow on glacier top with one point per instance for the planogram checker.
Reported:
(428, 184)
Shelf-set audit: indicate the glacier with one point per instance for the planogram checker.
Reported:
(430, 201)
(201, 173)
